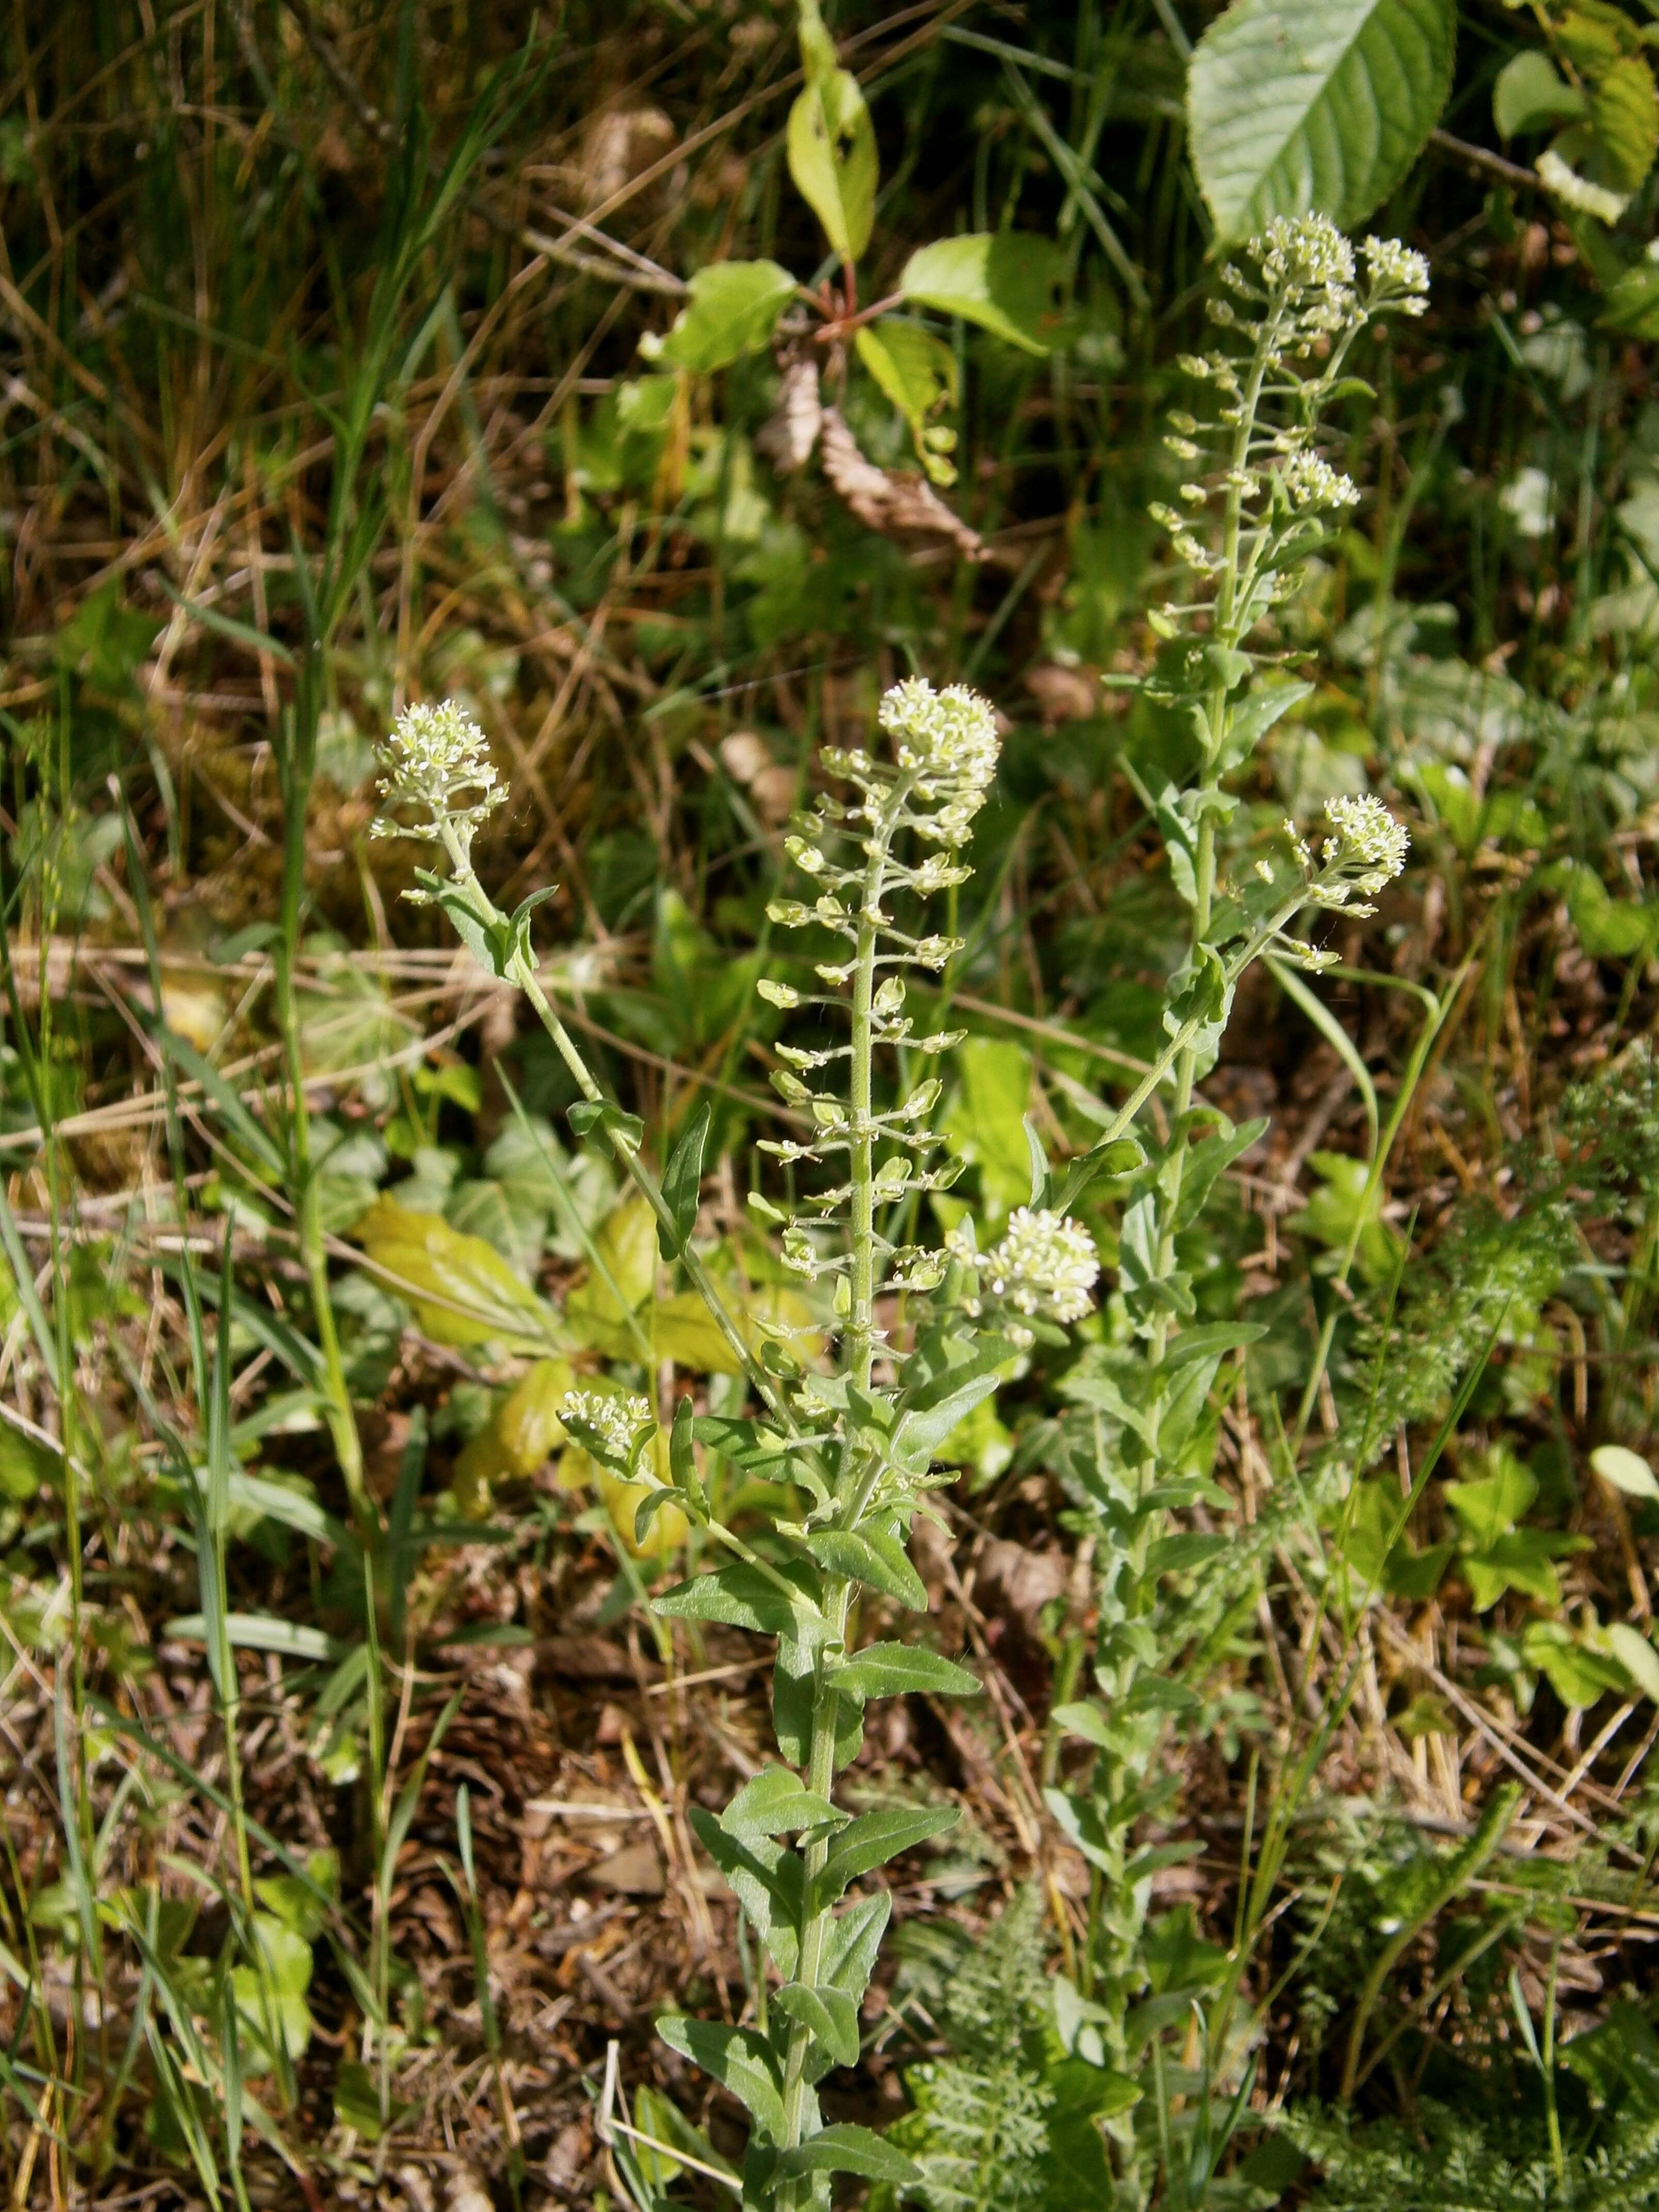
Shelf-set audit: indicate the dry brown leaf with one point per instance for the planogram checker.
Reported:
(792, 429)
(898, 506)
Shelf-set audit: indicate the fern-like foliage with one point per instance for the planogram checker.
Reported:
(978, 2129)
(1449, 2162)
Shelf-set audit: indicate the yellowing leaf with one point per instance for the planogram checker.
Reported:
(622, 1501)
(918, 373)
(1625, 115)
(683, 1330)
(832, 143)
(527, 1421)
(462, 1289)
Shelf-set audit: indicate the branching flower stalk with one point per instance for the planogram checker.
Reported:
(1136, 1441)
(857, 1443)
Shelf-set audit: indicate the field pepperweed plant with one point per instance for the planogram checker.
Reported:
(924, 1332)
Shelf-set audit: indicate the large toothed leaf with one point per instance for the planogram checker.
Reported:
(1298, 106)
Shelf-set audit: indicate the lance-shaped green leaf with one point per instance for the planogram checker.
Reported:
(870, 1554)
(1012, 284)
(892, 1670)
(847, 2148)
(777, 1803)
(744, 2061)
(682, 1182)
(739, 1596)
(1298, 106)
(832, 143)
(767, 1879)
(828, 2015)
(853, 1943)
(733, 308)
(875, 1837)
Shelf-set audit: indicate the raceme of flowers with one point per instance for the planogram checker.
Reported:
(1303, 299)
(436, 763)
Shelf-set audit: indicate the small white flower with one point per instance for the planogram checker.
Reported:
(1315, 487)
(1046, 1265)
(433, 758)
(614, 1421)
(1395, 268)
(778, 994)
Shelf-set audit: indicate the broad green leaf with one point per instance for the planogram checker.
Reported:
(889, 1670)
(1530, 93)
(832, 143)
(873, 1838)
(737, 2056)
(1625, 115)
(829, 2014)
(1520, 1561)
(742, 1597)
(872, 1555)
(1578, 1675)
(1636, 1656)
(918, 373)
(852, 1944)
(848, 2149)
(1625, 1470)
(1012, 284)
(766, 1878)
(461, 1289)
(1609, 928)
(1490, 1508)
(1302, 105)
(776, 1802)
(734, 307)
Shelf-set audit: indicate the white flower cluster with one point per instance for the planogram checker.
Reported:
(1046, 1265)
(1397, 274)
(432, 760)
(615, 1421)
(1315, 487)
(1369, 845)
(948, 736)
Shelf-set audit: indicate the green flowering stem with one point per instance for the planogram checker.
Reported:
(521, 972)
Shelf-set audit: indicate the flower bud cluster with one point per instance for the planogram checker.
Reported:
(436, 763)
